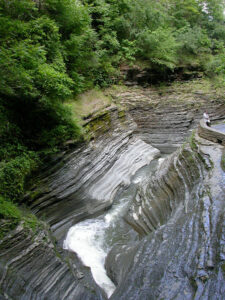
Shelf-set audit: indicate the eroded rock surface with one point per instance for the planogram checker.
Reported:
(84, 183)
(215, 134)
(32, 267)
(165, 120)
(181, 214)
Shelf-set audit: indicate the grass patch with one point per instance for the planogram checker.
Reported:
(11, 215)
(193, 144)
(88, 103)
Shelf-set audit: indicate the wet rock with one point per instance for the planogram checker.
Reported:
(210, 133)
(179, 214)
(85, 182)
(32, 267)
(181, 218)
(165, 121)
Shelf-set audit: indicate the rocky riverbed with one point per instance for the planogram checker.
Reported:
(178, 212)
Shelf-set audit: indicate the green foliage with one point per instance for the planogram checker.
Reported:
(159, 47)
(192, 142)
(14, 173)
(11, 215)
(70, 15)
(193, 40)
(185, 12)
(85, 41)
(66, 129)
(51, 50)
(53, 83)
(216, 66)
(8, 210)
(128, 50)
(23, 9)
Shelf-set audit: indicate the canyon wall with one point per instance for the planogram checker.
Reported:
(178, 214)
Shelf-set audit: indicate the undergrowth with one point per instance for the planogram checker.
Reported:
(11, 215)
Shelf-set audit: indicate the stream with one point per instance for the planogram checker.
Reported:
(92, 239)
(220, 127)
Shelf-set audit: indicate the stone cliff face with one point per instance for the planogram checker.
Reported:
(32, 267)
(178, 214)
(82, 183)
(166, 120)
(85, 181)
(212, 133)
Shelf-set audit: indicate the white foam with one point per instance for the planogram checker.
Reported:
(93, 238)
(86, 239)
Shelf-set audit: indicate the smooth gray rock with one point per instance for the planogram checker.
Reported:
(181, 215)
(82, 182)
(85, 182)
(32, 267)
(211, 133)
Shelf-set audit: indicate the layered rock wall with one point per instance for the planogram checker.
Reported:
(84, 183)
(181, 214)
(166, 120)
(210, 133)
(31, 267)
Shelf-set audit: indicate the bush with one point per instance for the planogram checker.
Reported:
(14, 173)
(10, 215)
(216, 66)
(9, 210)
(193, 40)
(159, 47)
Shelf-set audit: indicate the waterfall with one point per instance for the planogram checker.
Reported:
(92, 239)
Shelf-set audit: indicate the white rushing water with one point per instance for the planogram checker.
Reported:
(91, 240)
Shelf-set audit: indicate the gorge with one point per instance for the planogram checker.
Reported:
(146, 156)
(112, 186)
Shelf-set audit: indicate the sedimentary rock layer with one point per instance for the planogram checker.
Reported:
(81, 184)
(165, 121)
(31, 267)
(90, 176)
(180, 213)
(211, 134)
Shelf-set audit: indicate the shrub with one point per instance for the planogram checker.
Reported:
(159, 47)
(216, 66)
(14, 173)
(10, 215)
